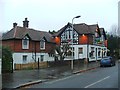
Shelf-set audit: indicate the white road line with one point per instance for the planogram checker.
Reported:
(62, 79)
(97, 82)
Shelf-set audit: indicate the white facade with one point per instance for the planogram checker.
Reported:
(98, 52)
(18, 58)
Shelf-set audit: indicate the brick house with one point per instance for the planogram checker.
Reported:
(28, 44)
(89, 41)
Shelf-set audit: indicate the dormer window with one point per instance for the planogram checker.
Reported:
(25, 43)
(42, 44)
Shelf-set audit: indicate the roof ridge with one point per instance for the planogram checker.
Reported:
(81, 24)
(31, 29)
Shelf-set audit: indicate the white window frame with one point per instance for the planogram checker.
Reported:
(24, 57)
(42, 42)
(66, 33)
(25, 40)
(93, 52)
(42, 58)
(80, 50)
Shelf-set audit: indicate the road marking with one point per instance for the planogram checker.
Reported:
(63, 78)
(97, 82)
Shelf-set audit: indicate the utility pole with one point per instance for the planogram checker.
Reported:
(72, 43)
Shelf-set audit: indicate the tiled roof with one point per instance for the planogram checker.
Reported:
(19, 33)
(80, 28)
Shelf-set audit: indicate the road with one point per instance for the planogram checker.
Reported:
(102, 77)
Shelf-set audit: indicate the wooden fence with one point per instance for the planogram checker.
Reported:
(30, 65)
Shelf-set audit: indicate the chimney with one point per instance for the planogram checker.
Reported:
(25, 23)
(14, 25)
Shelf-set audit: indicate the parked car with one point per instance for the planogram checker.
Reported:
(109, 61)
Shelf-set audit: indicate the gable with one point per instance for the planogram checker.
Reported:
(94, 29)
(81, 29)
(68, 26)
(102, 31)
(26, 37)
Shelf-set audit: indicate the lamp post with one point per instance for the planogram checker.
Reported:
(72, 42)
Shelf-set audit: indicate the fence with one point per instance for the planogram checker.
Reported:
(30, 65)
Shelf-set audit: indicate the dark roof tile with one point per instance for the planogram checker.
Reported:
(19, 33)
(80, 28)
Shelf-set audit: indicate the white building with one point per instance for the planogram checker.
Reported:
(89, 41)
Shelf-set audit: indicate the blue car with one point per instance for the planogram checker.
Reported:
(107, 62)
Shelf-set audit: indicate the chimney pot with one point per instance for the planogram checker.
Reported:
(25, 23)
(14, 25)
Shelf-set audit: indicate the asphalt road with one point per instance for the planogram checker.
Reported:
(102, 77)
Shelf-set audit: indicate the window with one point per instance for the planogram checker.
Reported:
(92, 53)
(104, 52)
(42, 58)
(25, 43)
(99, 52)
(67, 36)
(70, 52)
(42, 44)
(24, 58)
(51, 55)
(80, 51)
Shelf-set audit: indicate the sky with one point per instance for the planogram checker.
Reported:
(51, 15)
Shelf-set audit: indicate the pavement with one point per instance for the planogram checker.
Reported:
(23, 78)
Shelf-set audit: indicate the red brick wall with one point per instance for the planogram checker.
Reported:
(16, 46)
(84, 39)
(9, 43)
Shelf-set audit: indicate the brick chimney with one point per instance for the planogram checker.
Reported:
(14, 25)
(26, 23)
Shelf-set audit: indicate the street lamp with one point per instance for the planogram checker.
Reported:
(72, 42)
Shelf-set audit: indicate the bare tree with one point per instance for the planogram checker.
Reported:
(114, 40)
(114, 30)
(62, 51)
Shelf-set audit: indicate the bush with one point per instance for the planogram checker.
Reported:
(7, 60)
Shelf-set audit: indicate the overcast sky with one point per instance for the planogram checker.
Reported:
(48, 15)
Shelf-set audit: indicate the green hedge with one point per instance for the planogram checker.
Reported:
(7, 60)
